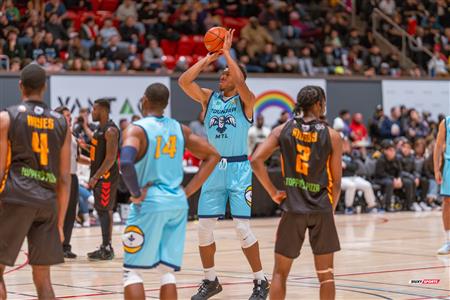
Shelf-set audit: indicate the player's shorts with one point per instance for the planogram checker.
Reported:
(445, 186)
(230, 180)
(154, 238)
(291, 231)
(38, 225)
(105, 194)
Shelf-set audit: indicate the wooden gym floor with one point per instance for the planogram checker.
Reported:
(380, 255)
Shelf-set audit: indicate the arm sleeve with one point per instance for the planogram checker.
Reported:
(129, 175)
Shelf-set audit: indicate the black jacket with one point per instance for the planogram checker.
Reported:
(387, 169)
(408, 165)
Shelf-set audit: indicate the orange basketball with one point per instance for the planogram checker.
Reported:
(214, 39)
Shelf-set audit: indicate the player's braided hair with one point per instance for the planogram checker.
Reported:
(307, 97)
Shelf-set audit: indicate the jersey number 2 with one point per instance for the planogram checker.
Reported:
(303, 154)
(39, 143)
(170, 148)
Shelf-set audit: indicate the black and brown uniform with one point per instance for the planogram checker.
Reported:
(306, 151)
(28, 202)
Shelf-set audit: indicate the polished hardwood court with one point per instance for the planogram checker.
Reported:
(380, 255)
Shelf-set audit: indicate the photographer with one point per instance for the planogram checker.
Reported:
(83, 130)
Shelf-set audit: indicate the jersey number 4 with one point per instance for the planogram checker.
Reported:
(39, 143)
(170, 148)
(303, 154)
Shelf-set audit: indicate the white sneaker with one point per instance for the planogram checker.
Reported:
(444, 250)
(415, 207)
(424, 206)
(117, 218)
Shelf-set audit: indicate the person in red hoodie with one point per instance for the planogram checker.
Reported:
(358, 129)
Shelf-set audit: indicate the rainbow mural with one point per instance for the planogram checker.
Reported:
(274, 98)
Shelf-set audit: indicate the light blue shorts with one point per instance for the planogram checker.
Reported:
(445, 187)
(154, 238)
(231, 181)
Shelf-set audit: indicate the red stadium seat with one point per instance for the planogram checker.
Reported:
(186, 45)
(200, 49)
(169, 61)
(235, 23)
(169, 47)
(110, 5)
(95, 5)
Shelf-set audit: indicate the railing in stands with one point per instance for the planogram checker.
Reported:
(407, 39)
(4, 60)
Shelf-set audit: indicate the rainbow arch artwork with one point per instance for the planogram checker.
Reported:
(274, 98)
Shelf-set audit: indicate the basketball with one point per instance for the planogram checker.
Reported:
(214, 39)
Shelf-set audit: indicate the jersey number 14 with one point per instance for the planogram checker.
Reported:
(170, 148)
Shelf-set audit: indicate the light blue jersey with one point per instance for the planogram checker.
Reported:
(445, 186)
(162, 165)
(227, 125)
(447, 138)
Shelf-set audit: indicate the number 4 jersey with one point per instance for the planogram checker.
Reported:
(35, 138)
(305, 149)
(162, 165)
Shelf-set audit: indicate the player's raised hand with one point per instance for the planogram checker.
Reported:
(279, 196)
(212, 57)
(228, 40)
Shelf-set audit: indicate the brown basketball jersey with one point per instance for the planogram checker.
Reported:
(306, 149)
(35, 138)
(98, 152)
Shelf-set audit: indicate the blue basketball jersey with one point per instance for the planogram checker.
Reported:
(447, 138)
(227, 125)
(162, 164)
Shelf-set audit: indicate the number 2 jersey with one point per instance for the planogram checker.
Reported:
(161, 165)
(306, 149)
(35, 138)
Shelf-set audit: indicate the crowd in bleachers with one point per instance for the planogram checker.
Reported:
(303, 37)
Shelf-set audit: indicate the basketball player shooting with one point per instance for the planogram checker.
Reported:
(442, 173)
(228, 116)
(312, 171)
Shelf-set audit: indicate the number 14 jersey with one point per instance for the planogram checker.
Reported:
(305, 149)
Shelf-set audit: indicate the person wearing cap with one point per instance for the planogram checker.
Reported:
(34, 181)
(388, 175)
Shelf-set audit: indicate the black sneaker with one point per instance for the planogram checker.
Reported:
(69, 254)
(260, 290)
(104, 253)
(207, 289)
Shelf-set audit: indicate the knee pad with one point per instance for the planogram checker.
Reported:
(131, 276)
(244, 233)
(205, 231)
(167, 276)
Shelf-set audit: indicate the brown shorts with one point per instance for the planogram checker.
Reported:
(39, 225)
(291, 234)
(105, 194)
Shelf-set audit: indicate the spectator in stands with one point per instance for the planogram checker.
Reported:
(388, 175)
(12, 12)
(41, 60)
(375, 59)
(267, 14)
(136, 65)
(54, 26)
(269, 60)
(89, 32)
(306, 62)
(97, 51)
(392, 127)
(257, 134)
(129, 31)
(153, 55)
(78, 65)
(127, 9)
(54, 6)
(437, 64)
(275, 32)
(49, 46)
(27, 37)
(409, 172)
(290, 62)
(198, 126)
(328, 60)
(15, 65)
(342, 122)
(12, 48)
(114, 54)
(284, 117)
(351, 182)
(76, 49)
(358, 129)
(416, 128)
(256, 36)
(388, 7)
(108, 30)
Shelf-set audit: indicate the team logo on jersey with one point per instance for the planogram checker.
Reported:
(38, 110)
(222, 122)
(248, 195)
(305, 127)
(320, 127)
(132, 239)
(22, 108)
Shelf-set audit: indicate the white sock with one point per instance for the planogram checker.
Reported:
(448, 236)
(259, 275)
(210, 274)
